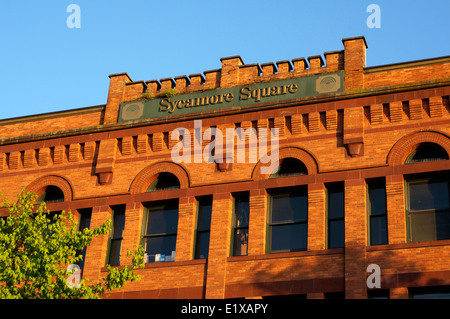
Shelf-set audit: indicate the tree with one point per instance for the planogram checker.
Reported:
(37, 250)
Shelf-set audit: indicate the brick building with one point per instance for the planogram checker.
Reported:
(362, 177)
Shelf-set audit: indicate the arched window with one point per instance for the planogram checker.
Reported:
(427, 152)
(52, 194)
(164, 181)
(290, 167)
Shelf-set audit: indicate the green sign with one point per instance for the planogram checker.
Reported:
(238, 96)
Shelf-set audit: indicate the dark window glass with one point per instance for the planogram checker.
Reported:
(377, 207)
(290, 167)
(84, 222)
(436, 292)
(334, 295)
(428, 195)
(116, 235)
(164, 181)
(335, 212)
(203, 228)
(428, 209)
(288, 222)
(161, 231)
(52, 194)
(427, 152)
(378, 294)
(240, 229)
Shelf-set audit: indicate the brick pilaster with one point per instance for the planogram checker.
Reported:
(355, 239)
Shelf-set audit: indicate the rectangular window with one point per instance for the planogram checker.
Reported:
(378, 294)
(434, 292)
(335, 215)
(84, 222)
(377, 210)
(288, 220)
(203, 227)
(160, 235)
(428, 209)
(115, 241)
(240, 225)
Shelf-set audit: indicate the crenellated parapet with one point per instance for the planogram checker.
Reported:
(234, 72)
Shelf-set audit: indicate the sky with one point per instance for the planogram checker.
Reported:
(47, 65)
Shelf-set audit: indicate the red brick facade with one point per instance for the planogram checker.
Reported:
(363, 133)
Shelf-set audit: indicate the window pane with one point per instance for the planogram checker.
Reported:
(240, 242)
(85, 222)
(378, 230)
(429, 226)
(291, 237)
(202, 245)
(291, 206)
(161, 245)
(204, 215)
(114, 253)
(85, 219)
(377, 199)
(241, 210)
(437, 292)
(162, 220)
(335, 197)
(428, 195)
(336, 233)
(119, 224)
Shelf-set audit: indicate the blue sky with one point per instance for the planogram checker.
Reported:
(46, 66)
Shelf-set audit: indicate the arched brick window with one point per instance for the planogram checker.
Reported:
(427, 194)
(159, 176)
(51, 189)
(292, 161)
(160, 219)
(424, 144)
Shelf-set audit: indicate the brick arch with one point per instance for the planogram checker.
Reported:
(149, 174)
(38, 186)
(405, 145)
(294, 152)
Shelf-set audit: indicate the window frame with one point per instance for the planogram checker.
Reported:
(145, 222)
(116, 212)
(408, 211)
(269, 236)
(328, 187)
(83, 213)
(238, 228)
(200, 232)
(378, 183)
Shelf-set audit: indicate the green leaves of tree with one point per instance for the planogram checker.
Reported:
(36, 248)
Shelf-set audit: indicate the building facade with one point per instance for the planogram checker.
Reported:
(326, 173)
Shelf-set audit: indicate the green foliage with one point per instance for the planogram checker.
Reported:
(169, 92)
(36, 250)
(147, 96)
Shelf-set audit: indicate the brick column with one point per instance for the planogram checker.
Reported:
(316, 217)
(396, 213)
(230, 71)
(355, 239)
(219, 245)
(354, 62)
(187, 216)
(257, 222)
(96, 251)
(115, 96)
